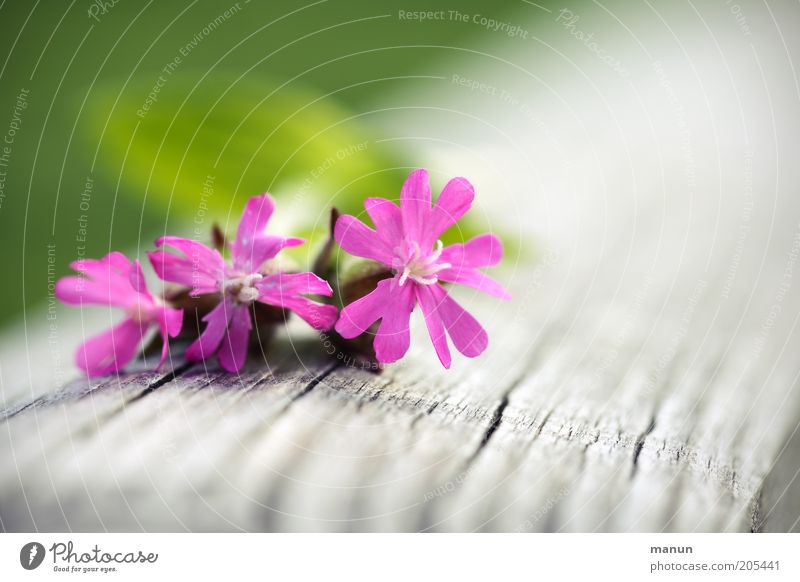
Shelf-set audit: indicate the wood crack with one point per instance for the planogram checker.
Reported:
(639, 444)
(312, 384)
(166, 379)
(497, 418)
(12, 411)
(89, 428)
(756, 519)
(494, 424)
(84, 391)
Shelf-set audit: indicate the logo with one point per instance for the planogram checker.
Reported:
(31, 555)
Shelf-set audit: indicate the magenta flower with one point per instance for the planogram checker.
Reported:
(249, 278)
(115, 280)
(406, 239)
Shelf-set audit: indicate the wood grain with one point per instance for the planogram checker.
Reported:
(661, 418)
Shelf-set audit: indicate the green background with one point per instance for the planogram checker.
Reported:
(268, 98)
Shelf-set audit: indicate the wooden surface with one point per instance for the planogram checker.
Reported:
(644, 378)
(615, 405)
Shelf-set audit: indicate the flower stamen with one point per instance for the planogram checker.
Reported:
(242, 288)
(422, 270)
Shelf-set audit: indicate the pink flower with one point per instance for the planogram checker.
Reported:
(406, 239)
(249, 278)
(115, 280)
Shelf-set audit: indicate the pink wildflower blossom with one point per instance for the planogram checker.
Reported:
(115, 280)
(406, 239)
(248, 278)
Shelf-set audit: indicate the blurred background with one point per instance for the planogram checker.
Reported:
(633, 135)
(138, 118)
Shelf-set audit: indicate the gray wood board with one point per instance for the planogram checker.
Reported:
(644, 405)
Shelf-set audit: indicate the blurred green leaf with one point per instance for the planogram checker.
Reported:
(368, 53)
(196, 151)
(236, 138)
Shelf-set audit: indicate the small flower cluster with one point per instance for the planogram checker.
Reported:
(411, 267)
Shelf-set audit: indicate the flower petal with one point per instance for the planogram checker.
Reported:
(172, 319)
(393, 337)
(318, 315)
(290, 284)
(106, 282)
(287, 289)
(265, 247)
(216, 323)
(428, 302)
(386, 217)
(115, 264)
(474, 278)
(415, 205)
(136, 277)
(233, 351)
(200, 268)
(255, 217)
(358, 239)
(452, 204)
(109, 351)
(204, 256)
(170, 322)
(468, 336)
(170, 267)
(484, 250)
(356, 317)
(75, 290)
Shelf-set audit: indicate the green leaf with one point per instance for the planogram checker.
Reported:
(207, 146)
(194, 151)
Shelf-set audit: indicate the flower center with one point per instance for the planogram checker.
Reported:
(140, 311)
(242, 288)
(422, 269)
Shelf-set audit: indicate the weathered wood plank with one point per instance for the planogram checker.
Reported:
(644, 378)
(646, 404)
(557, 435)
(92, 421)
